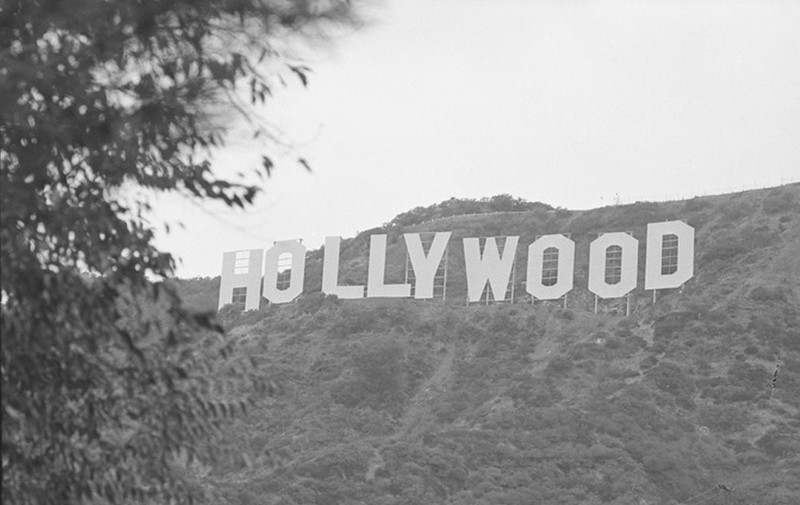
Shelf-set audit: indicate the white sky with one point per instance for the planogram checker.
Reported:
(566, 102)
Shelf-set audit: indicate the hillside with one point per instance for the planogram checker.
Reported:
(693, 398)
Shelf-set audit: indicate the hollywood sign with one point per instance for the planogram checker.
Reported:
(550, 274)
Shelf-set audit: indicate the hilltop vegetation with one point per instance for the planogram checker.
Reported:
(466, 206)
(430, 402)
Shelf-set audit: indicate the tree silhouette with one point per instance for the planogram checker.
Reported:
(106, 377)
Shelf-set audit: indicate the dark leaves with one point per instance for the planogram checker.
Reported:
(301, 72)
(268, 165)
(305, 164)
(106, 376)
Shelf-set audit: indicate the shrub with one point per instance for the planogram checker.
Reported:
(648, 362)
(751, 350)
(641, 213)
(668, 377)
(666, 327)
(534, 392)
(559, 364)
(733, 209)
(447, 410)
(749, 376)
(379, 377)
(780, 201)
(310, 303)
(778, 445)
(696, 204)
(380, 366)
(733, 244)
(723, 418)
(768, 294)
(231, 317)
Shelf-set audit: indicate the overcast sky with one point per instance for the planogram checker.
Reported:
(566, 102)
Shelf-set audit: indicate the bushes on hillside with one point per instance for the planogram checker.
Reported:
(667, 327)
(533, 391)
(778, 445)
(378, 377)
(371, 315)
(671, 379)
(696, 204)
(723, 418)
(733, 244)
(558, 365)
(768, 294)
(462, 206)
(230, 317)
(745, 382)
(782, 200)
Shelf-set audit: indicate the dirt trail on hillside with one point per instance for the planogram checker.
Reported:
(541, 356)
(545, 348)
(418, 415)
(787, 263)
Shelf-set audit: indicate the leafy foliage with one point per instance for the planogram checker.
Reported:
(106, 375)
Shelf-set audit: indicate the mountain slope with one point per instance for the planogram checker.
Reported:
(692, 399)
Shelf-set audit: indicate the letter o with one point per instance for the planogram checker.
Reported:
(597, 265)
(298, 269)
(566, 266)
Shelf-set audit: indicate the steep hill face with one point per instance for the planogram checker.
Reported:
(692, 398)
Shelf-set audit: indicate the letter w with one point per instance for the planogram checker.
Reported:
(490, 267)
